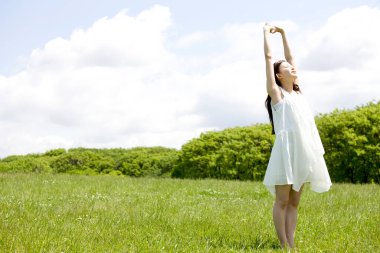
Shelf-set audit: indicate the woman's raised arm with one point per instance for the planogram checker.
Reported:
(272, 88)
(287, 52)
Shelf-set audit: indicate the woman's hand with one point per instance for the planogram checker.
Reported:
(272, 29)
(268, 28)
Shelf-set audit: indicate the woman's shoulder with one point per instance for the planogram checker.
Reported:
(278, 105)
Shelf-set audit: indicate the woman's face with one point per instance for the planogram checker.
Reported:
(287, 70)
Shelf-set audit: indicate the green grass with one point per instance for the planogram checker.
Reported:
(67, 213)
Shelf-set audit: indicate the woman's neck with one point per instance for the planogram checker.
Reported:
(288, 86)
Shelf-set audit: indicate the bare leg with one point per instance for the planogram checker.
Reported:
(279, 212)
(291, 216)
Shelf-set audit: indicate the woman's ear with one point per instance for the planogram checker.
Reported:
(278, 76)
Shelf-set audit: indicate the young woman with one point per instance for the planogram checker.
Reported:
(297, 153)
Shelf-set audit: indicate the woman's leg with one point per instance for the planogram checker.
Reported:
(291, 215)
(279, 211)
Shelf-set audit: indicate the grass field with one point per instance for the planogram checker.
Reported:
(67, 213)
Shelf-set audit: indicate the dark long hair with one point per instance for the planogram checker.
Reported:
(276, 68)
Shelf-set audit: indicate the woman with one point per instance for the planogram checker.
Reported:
(297, 153)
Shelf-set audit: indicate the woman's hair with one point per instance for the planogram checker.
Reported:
(276, 68)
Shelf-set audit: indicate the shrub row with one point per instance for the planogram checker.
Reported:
(350, 138)
(139, 161)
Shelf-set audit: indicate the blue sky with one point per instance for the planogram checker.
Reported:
(146, 73)
(30, 24)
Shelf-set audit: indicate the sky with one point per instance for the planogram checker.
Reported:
(110, 74)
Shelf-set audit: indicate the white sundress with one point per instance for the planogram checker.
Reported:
(297, 153)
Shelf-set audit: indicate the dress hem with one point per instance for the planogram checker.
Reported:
(315, 188)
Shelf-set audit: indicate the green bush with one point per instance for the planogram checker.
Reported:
(25, 164)
(142, 161)
(235, 153)
(351, 139)
(82, 161)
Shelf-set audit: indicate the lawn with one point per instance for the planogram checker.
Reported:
(72, 213)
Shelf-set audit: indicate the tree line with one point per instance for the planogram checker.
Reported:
(350, 139)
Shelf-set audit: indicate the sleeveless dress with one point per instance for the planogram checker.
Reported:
(297, 153)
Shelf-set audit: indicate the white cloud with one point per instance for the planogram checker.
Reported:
(104, 86)
(120, 84)
(339, 60)
(191, 39)
(347, 40)
(118, 41)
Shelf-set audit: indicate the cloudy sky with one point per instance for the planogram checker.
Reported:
(147, 73)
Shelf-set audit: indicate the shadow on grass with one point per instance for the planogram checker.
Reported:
(255, 244)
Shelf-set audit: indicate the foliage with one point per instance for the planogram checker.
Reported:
(140, 161)
(350, 138)
(235, 153)
(157, 161)
(25, 164)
